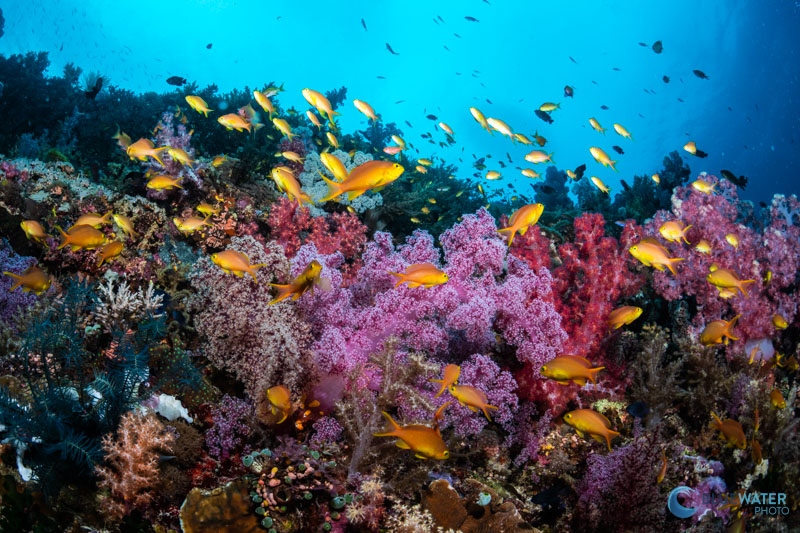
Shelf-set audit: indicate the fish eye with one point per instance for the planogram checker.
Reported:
(446, 455)
(568, 416)
(544, 367)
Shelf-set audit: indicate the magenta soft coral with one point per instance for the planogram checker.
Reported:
(776, 249)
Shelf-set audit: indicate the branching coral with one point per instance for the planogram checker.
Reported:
(119, 307)
(132, 456)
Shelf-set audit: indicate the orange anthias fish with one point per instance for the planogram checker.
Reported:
(447, 129)
(776, 399)
(623, 315)
(110, 251)
(537, 156)
(601, 157)
(723, 278)
(674, 231)
(566, 368)
(235, 121)
(596, 125)
(524, 140)
(426, 442)
(306, 281)
(125, 224)
(421, 275)
(334, 166)
(392, 150)
(198, 104)
(451, 373)
(593, 423)
(322, 104)
(144, 148)
(81, 237)
(478, 116)
(622, 131)
(498, 125)
(92, 219)
(366, 109)
(181, 156)
(233, 262)
(523, 218)
(264, 102)
(704, 247)
(280, 401)
(365, 177)
(704, 186)
(600, 185)
(33, 279)
(779, 322)
(716, 331)
(731, 430)
(663, 472)
(122, 138)
(287, 183)
(190, 223)
(472, 398)
(207, 209)
(164, 182)
(314, 120)
(33, 230)
(655, 255)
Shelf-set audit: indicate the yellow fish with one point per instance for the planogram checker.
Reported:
(451, 373)
(732, 239)
(779, 322)
(726, 279)
(566, 368)
(541, 141)
(731, 430)
(306, 281)
(181, 157)
(530, 173)
(431, 200)
(478, 116)
(674, 231)
(292, 156)
(599, 184)
(654, 255)
(280, 401)
(426, 162)
(601, 157)
(33, 230)
(537, 156)
(314, 120)
(287, 183)
(523, 218)
(33, 279)
(593, 423)
(164, 182)
(366, 109)
(334, 166)
(283, 127)
(421, 275)
(190, 223)
(547, 107)
(424, 441)
(219, 160)
(332, 140)
(92, 219)
(776, 399)
(126, 225)
(421, 169)
(622, 131)
(319, 101)
(122, 138)
(704, 247)
(656, 178)
(717, 331)
(447, 129)
(144, 148)
(198, 104)
(415, 220)
(623, 315)
(263, 101)
(498, 125)
(399, 141)
(81, 237)
(110, 251)
(471, 398)
(233, 262)
(425, 210)
(524, 140)
(235, 121)
(704, 186)
(596, 125)
(572, 174)
(207, 209)
(493, 175)
(367, 176)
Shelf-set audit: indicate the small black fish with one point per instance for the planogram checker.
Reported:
(568, 91)
(409, 124)
(701, 154)
(426, 135)
(430, 117)
(381, 77)
(618, 149)
(209, 45)
(604, 107)
(643, 44)
(617, 69)
(666, 79)
(638, 409)
(680, 100)
(572, 59)
(472, 19)
(595, 82)
(457, 35)
(657, 47)
(176, 80)
(458, 74)
(440, 17)
(445, 47)
(483, 85)
(502, 164)
(509, 185)
(625, 185)
(700, 74)
(641, 115)
(364, 24)
(431, 141)
(740, 182)
(729, 108)
(579, 171)
(388, 47)
(762, 204)
(544, 116)
(91, 92)
(399, 101)
(436, 22)
(488, 101)
(509, 157)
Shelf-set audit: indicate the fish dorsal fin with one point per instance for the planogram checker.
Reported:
(419, 267)
(579, 359)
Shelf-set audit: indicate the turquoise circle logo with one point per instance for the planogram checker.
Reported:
(675, 506)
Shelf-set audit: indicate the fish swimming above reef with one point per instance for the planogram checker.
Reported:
(389, 47)
(176, 80)
(544, 116)
(700, 74)
(618, 149)
(740, 182)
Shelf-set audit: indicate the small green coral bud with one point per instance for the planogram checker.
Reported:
(257, 498)
(338, 502)
(266, 452)
(348, 498)
(301, 467)
(327, 526)
(315, 454)
(247, 461)
(266, 522)
(260, 511)
(308, 496)
(335, 515)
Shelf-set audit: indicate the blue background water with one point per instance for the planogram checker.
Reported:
(517, 56)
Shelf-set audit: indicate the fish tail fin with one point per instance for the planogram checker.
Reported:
(400, 282)
(156, 155)
(253, 269)
(729, 328)
(284, 291)
(592, 373)
(64, 237)
(673, 260)
(395, 427)
(611, 164)
(684, 233)
(716, 423)
(741, 285)
(334, 189)
(16, 277)
(610, 434)
(486, 413)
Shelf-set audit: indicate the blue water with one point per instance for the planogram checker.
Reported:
(518, 56)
